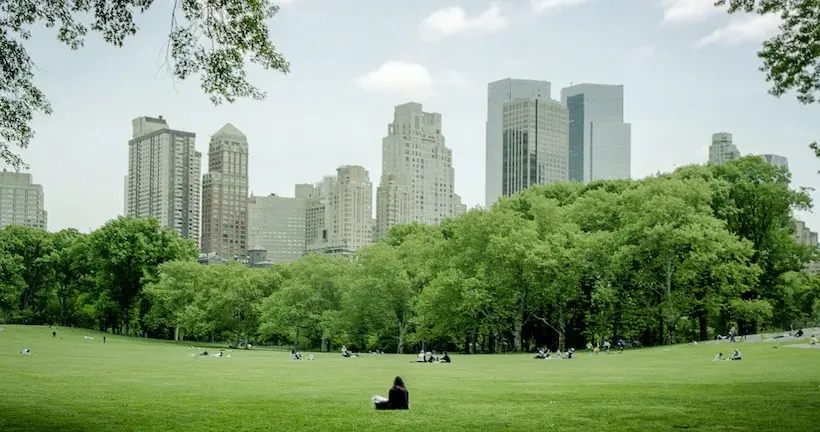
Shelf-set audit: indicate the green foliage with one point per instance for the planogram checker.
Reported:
(669, 259)
(210, 38)
(791, 60)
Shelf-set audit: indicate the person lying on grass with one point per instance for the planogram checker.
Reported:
(398, 397)
(737, 355)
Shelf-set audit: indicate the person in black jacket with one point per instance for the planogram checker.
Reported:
(398, 398)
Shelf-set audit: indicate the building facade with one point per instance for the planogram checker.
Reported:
(393, 199)
(458, 206)
(805, 236)
(225, 195)
(600, 143)
(776, 160)
(536, 142)
(499, 93)
(21, 201)
(277, 224)
(722, 149)
(163, 176)
(351, 211)
(417, 166)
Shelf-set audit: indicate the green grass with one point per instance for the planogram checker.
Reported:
(71, 384)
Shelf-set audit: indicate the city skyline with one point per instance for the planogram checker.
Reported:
(687, 75)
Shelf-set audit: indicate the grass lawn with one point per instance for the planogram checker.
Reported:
(71, 384)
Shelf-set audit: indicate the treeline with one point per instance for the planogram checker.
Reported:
(668, 259)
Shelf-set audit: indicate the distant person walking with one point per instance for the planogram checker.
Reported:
(103, 340)
(732, 334)
(745, 332)
(54, 334)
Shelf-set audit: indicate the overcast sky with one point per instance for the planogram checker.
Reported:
(689, 70)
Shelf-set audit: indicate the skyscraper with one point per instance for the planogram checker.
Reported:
(722, 149)
(600, 143)
(163, 176)
(225, 195)
(21, 201)
(536, 139)
(417, 170)
(498, 93)
(277, 224)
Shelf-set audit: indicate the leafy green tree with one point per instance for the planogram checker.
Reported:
(210, 38)
(230, 301)
(383, 291)
(174, 293)
(125, 254)
(71, 268)
(29, 249)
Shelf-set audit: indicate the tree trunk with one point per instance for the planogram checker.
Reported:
(176, 333)
(402, 331)
(704, 334)
(324, 347)
(296, 339)
(518, 329)
(562, 333)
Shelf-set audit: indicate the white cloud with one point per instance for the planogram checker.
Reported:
(753, 28)
(688, 10)
(454, 20)
(410, 80)
(545, 5)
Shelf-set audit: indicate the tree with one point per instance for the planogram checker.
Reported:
(70, 268)
(29, 249)
(791, 60)
(125, 254)
(178, 286)
(212, 38)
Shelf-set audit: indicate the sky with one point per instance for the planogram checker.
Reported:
(688, 69)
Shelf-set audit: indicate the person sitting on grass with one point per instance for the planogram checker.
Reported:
(718, 357)
(606, 346)
(737, 355)
(310, 357)
(397, 399)
(433, 357)
(345, 353)
(26, 352)
(295, 355)
(203, 353)
(813, 340)
(799, 333)
(445, 358)
(589, 348)
(621, 345)
(542, 353)
(421, 358)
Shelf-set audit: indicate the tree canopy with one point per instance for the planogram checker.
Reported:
(672, 258)
(211, 38)
(791, 59)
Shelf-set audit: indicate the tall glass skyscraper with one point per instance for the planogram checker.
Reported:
(600, 143)
(498, 93)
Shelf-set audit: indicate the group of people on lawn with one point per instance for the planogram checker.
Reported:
(432, 357)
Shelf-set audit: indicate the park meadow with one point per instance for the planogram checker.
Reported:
(72, 383)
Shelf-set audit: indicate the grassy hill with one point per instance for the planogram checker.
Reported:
(70, 383)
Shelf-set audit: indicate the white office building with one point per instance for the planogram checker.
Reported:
(163, 176)
(776, 160)
(600, 143)
(277, 224)
(499, 93)
(417, 166)
(339, 212)
(722, 149)
(393, 198)
(536, 143)
(21, 201)
(458, 206)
